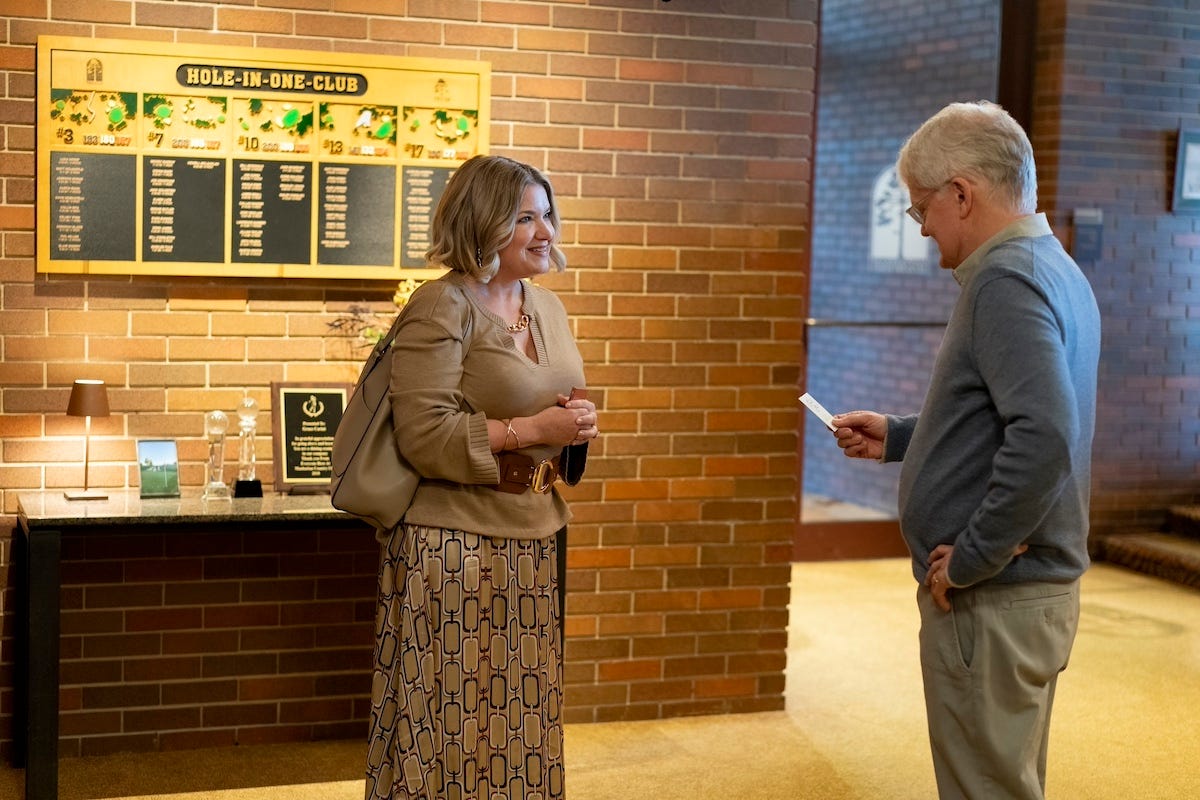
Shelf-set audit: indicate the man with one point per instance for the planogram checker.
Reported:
(994, 488)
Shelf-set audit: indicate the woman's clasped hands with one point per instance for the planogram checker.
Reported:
(571, 421)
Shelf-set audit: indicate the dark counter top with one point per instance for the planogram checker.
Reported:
(40, 509)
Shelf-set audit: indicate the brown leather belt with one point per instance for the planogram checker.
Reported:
(519, 473)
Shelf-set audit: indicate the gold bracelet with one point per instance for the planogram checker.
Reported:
(509, 430)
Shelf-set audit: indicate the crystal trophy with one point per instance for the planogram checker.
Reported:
(215, 425)
(248, 484)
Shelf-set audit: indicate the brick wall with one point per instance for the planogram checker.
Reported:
(1115, 83)
(215, 637)
(679, 139)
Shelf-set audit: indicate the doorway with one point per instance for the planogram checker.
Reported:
(877, 299)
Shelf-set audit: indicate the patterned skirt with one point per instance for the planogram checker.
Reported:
(466, 697)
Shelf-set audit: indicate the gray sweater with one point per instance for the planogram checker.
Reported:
(1000, 454)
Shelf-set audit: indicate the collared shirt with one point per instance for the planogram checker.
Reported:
(1032, 225)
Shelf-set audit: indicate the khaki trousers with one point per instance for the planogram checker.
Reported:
(990, 666)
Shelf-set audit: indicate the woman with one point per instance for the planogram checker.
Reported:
(467, 694)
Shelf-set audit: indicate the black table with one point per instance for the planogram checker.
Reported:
(43, 519)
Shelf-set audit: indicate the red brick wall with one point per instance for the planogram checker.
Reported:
(215, 637)
(1115, 82)
(679, 139)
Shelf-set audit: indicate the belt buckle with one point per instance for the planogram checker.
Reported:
(543, 478)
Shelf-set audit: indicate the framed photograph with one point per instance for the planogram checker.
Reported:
(158, 467)
(1186, 199)
(304, 417)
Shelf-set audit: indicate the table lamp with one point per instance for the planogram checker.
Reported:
(89, 398)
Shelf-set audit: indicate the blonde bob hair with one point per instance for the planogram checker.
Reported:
(477, 216)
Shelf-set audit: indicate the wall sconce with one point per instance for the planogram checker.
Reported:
(89, 398)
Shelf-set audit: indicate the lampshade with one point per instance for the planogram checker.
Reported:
(89, 398)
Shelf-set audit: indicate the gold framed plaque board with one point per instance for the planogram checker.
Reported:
(160, 158)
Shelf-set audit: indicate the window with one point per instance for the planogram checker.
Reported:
(896, 241)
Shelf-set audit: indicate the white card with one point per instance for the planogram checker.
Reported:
(818, 409)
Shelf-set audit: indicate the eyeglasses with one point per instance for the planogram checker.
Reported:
(917, 210)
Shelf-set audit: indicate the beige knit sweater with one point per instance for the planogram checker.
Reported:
(454, 367)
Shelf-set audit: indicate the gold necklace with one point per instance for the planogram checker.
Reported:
(518, 326)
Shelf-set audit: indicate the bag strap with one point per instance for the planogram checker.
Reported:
(378, 352)
(386, 340)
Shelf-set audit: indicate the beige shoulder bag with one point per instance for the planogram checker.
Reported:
(371, 480)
